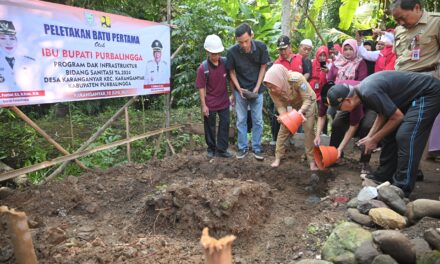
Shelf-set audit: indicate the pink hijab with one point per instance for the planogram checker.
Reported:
(347, 67)
(278, 75)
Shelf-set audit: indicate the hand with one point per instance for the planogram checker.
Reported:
(232, 100)
(339, 153)
(256, 90)
(205, 110)
(240, 91)
(369, 143)
(325, 69)
(302, 115)
(317, 140)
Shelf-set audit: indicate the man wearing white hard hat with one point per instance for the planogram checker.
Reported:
(304, 49)
(212, 78)
(385, 58)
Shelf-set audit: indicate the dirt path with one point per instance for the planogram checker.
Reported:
(153, 213)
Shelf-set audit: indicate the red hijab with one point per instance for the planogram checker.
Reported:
(319, 77)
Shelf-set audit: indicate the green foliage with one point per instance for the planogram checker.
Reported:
(106, 158)
(313, 14)
(346, 13)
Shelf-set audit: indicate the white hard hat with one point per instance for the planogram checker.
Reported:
(213, 44)
(306, 42)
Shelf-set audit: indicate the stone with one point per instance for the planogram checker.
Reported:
(420, 246)
(345, 238)
(420, 208)
(367, 193)
(359, 218)
(432, 256)
(365, 206)
(432, 236)
(389, 196)
(387, 218)
(353, 203)
(366, 253)
(398, 191)
(384, 259)
(346, 258)
(395, 244)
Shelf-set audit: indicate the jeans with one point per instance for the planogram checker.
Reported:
(221, 144)
(241, 106)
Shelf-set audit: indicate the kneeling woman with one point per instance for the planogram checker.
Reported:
(291, 89)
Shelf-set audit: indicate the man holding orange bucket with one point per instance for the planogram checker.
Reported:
(406, 104)
(288, 88)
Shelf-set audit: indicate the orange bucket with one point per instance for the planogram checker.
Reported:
(325, 156)
(292, 120)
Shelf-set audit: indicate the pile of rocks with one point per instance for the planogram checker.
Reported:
(383, 207)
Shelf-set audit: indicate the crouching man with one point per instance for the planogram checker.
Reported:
(406, 104)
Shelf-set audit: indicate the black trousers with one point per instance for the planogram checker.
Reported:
(403, 149)
(210, 123)
(341, 123)
(274, 124)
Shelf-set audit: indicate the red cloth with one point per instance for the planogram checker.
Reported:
(295, 63)
(386, 60)
(319, 77)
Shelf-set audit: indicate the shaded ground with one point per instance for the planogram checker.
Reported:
(154, 212)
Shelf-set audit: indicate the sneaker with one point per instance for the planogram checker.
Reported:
(241, 154)
(224, 154)
(273, 143)
(374, 179)
(258, 155)
(211, 154)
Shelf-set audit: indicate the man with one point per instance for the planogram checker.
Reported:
(247, 63)
(16, 72)
(417, 38)
(212, 84)
(417, 41)
(157, 69)
(304, 49)
(406, 105)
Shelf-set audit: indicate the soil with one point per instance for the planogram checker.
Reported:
(155, 212)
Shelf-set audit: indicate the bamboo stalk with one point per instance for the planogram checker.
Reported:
(127, 128)
(78, 154)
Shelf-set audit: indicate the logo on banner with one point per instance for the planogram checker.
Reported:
(106, 22)
(90, 19)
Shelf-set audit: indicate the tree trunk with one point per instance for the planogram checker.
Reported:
(285, 18)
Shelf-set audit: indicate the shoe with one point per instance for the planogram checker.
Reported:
(258, 155)
(375, 179)
(273, 143)
(241, 154)
(224, 154)
(211, 154)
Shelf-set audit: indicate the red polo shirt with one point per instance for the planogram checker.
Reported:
(295, 63)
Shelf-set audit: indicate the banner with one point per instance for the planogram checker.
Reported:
(56, 53)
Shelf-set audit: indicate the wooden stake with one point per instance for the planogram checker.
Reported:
(127, 128)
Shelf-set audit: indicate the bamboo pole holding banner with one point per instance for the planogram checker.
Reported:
(93, 137)
(44, 134)
(167, 96)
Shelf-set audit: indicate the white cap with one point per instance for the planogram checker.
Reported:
(306, 42)
(387, 38)
(213, 44)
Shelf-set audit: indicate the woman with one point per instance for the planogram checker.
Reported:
(349, 67)
(384, 57)
(288, 88)
(319, 71)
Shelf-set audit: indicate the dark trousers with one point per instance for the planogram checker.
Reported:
(210, 124)
(341, 123)
(403, 149)
(274, 124)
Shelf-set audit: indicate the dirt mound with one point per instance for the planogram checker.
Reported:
(225, 206)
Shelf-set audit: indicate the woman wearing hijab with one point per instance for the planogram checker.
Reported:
(288, 88)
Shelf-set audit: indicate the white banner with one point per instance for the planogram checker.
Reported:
(55, 53)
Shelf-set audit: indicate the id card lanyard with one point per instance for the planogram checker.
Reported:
(415, 48)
